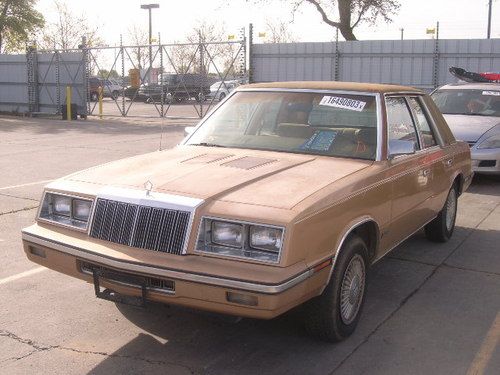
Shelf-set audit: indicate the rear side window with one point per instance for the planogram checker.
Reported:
(423, 124)
(400, 125)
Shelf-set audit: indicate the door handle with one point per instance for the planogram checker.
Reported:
(448, 162)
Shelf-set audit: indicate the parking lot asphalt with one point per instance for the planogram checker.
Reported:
(430, 308)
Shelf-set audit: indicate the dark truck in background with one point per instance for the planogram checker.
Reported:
(176, 88)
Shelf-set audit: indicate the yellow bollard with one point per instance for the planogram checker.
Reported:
(100, 102)
(68, 103)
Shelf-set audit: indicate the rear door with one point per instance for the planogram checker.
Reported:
(435, 156)
(411, 175)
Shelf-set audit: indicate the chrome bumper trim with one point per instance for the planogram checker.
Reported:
(168, 273)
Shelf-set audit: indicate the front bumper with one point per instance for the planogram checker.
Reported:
(486, 161)
(201, 291)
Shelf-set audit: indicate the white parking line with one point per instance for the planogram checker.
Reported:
(22, 185)
(22, 274)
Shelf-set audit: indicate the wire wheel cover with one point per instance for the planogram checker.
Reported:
(352, 289)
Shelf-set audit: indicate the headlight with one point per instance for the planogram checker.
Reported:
(227, 234)
(241, 240)
(66, 210)
(491, 142)
(61, 205)
(265, 238)
(81, 209)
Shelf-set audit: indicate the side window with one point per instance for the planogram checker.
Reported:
(400, 125)
(423, 124)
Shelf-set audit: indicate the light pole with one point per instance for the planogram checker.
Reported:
(149, 7)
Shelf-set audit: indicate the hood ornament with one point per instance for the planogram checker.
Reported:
(148, 185)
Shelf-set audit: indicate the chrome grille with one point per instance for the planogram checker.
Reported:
(144, 227)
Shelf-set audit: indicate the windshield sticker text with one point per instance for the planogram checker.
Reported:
(344, 103)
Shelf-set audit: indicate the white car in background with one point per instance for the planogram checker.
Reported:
(472, 111)
(219, 90)
(111, 88)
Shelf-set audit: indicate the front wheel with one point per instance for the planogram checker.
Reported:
(441, 228)
(334, 315)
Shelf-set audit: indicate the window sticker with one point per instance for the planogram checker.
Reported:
(344, 103)
(320, 141)
(493, 93)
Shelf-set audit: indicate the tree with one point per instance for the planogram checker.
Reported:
(139, 36)
(67, 31)
(104, 73)
(18, 20)
(348, 14)
(277, 31)
(186, 58)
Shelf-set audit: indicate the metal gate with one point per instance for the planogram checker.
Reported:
(49, 73)
(176, 81)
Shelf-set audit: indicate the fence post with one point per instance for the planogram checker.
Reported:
(202, 73)
(162, 97)
(435, 67)
(243, 54)
(250, 51)
(58, 83)
(86, 74)
(32, 72)
(122, 51)
(337, 56)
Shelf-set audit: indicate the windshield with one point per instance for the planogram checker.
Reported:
(330, 124)
(468, 102)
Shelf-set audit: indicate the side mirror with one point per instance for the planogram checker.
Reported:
(398, 147)
(188, 130)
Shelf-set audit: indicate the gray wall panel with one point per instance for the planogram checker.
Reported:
(13, 83)
(53, 77)
(408, 62)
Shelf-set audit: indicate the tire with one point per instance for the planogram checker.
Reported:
(441, 228)
(94, 96)
(200, 97)
(115, 94)
(334, 315)
(222, 96)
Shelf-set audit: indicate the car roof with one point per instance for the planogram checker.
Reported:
(333, 85)
(471, 86)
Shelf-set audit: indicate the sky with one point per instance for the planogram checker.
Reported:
(176, 18)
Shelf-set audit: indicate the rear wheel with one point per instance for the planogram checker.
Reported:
(222, 96)
(334, 315)
(115, 95)
(441, 228)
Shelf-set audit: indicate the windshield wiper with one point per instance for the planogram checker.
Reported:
(206, 144)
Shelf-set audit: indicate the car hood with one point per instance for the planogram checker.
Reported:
(272, 179)
(470, 128)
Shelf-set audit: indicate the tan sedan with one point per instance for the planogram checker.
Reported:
(285, 194)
